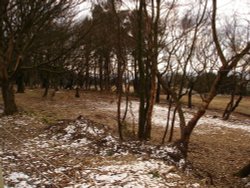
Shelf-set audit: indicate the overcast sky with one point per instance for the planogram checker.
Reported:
(225, 7)
(228, 7)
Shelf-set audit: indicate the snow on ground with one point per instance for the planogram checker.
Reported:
(82, 154)
(160, 118)
(138, 174)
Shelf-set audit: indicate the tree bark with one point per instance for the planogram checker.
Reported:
(168, 121)
(158, 93)
(142, 92)
(191, 87)
(8, 98)
(136, 80)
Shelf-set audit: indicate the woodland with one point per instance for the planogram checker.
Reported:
(155, 79)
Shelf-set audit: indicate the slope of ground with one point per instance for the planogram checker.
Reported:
(81, 153)
(217, 150)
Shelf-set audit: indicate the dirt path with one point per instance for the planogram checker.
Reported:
(216, 152)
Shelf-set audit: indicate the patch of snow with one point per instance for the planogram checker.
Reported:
(79, 143)
(134, 174)
(247, 185)
(217, 122)
(109, 139)
(182, 163)
(111, 177)
(70, 129)
(174, 184)
(76, 140)
(173, 175)
(20, 122)
(194, 185)
(60, 170)
(84, 141)
(159, 117)
(17, 176)
(45, 145)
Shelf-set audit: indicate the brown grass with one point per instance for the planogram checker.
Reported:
(220, 103)
(220, 154)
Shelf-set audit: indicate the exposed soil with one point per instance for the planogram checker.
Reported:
(215, 154)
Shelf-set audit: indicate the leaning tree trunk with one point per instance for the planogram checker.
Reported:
(231, 108)
(226, 67)
(187, 130)
(8, 98)
(232, 105)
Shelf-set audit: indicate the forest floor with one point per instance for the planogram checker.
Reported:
(63, 141)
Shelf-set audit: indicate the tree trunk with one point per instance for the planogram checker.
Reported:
(158, 93)
(169, 82)
(100, 73)
(168, 121)
(107, 72)
(188, 129)
(45, 93)
(226, 67)
(142, 92)
(95, 77)
(87, 78)
(190, 95)
(20, 83)
(77, 94)
(172, 125)
(136, 80)
(244, 172)
(119, 101)
(232, 105)
(153, 44)
(150, 107)
(8, 98)
(46, 87)
(120, 71)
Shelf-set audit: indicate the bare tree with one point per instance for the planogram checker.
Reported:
(239, 82)
(21, 23)
(226, 66)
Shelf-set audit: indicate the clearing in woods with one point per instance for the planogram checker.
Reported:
(46, 133)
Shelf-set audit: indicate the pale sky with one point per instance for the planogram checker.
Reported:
(229, 7)
(225, 7)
